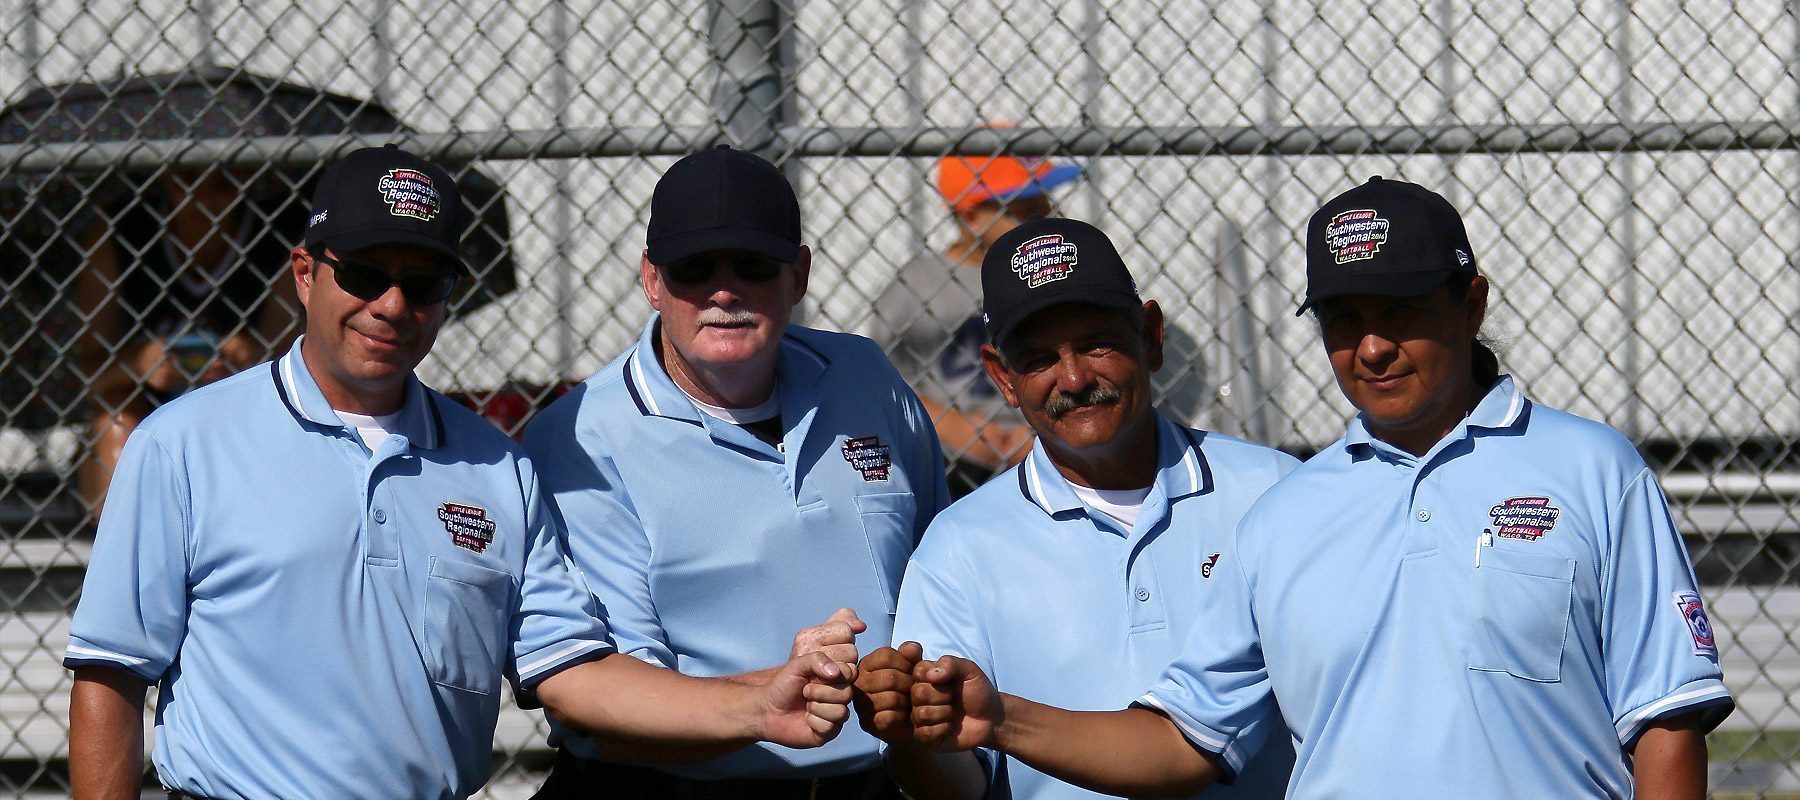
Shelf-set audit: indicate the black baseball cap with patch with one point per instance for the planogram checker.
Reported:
(723, 199)
(385, 195)
(1047, 262)
(1389, 238)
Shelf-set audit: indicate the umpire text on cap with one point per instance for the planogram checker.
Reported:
(1384, 237)
(723, 199)
(1049, 261)
(385, 195)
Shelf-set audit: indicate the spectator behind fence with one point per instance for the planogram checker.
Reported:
(928, 317)
(181, 289)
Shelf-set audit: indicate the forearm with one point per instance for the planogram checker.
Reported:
(923, 774)
(641, 712)
(1134, 752)
(106, 734)
(1669, 762)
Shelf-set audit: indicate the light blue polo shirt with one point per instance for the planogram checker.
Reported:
(710, 548)
(323, 623)
(1499, 618)
(1058, 603)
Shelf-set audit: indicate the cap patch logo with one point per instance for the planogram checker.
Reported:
(1462, 257)
(1699, 626)
(409, 193)
(869, 456)
(1527, 518)
(468, 525)
(1044, 259)
(1355, 235)
(1206, 567)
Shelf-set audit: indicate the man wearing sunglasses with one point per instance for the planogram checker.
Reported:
(732, 479)
(327, 568)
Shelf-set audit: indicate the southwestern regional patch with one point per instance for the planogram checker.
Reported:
(869, 456)
(409, 193)
(1044, 259)
(1355, 235)
(469, 526)
(1527, 518)
(1694, 612)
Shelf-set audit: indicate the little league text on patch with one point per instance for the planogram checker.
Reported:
(1044, 259)
(1355, 235)
(869, 456)
(468, 525)
(1694, 612)
(409, 193)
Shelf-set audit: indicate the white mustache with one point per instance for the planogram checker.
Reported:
(720, 316)
(1062, 403)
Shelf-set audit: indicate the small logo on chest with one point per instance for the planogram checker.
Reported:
(1206, 567)
(869, 456)
(468, 525)
(1527, 518)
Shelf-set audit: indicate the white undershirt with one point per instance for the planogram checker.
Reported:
(373, 430)
(1123, 505)
(767, 409)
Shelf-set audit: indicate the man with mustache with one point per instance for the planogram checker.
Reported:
(732, 478)
(1076, 575)
(1470, 595)
(327, 568)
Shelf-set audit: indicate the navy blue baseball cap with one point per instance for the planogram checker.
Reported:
(723, 199)
(1389, 238)
(1047, 262)
(385, 195)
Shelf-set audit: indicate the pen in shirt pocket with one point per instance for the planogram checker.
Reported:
(1486, 539)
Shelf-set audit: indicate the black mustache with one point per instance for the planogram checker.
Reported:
(1062, 402)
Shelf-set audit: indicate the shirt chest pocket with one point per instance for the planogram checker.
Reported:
(1521, 608)
(466, 612)
(887, 521)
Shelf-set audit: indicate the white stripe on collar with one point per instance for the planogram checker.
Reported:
(637, 372)
(1036, 485)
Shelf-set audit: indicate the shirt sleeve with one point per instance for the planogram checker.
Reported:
(1660, 654)
(1217, 691)
(556, 623)
(604, 536)
(134, 598)
(937, 612)
(931, 487)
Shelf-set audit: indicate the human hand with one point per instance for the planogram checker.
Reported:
(954, 705)
(807, 701)
(835, 637)
(883, 696)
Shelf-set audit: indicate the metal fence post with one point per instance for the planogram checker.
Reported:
(745, 37)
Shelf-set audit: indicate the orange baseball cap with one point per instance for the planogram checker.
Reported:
(969, 181)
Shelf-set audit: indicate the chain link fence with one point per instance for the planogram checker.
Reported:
(1627, 171)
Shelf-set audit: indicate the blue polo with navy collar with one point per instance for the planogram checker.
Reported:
(1059, 604)
(1499, 618)
(710, 548)
(323, 621)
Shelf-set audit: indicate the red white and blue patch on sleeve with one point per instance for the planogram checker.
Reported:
(1694, 613)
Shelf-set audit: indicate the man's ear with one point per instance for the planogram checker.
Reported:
(1476, 300)
(999, 374)
(802, 272)
(1153, 336)
(301, 264)
(651, 280)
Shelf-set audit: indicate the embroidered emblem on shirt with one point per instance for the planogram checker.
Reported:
(1699, 626)
(468, 525)
(1355, 235)
(1044, 259)
(1207, 568)
(869, 456)
(1527, 518)
(409, 193)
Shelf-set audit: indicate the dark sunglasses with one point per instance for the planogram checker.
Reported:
(700, 269)
(369, 282)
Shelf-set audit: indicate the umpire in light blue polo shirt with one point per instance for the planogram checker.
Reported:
(732, 479)
(327, 568)
(1075, 577)
(1470, 595)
